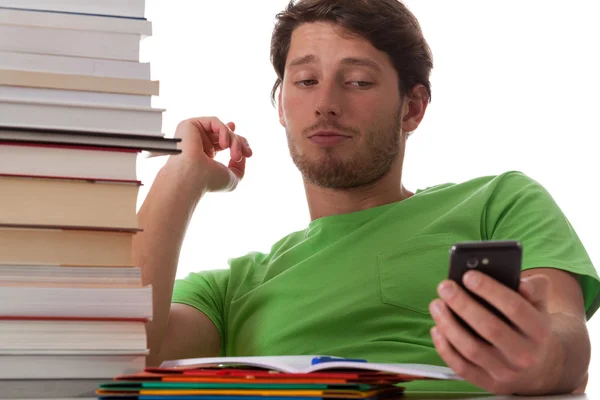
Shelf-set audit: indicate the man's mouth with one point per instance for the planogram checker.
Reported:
(328, 138)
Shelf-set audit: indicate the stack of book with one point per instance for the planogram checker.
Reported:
(271, 377)
(75, 113)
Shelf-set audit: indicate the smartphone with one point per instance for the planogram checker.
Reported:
(499, 259)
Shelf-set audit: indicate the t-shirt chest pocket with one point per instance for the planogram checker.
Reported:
(409, 275)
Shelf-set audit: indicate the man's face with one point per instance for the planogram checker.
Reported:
(341, 108)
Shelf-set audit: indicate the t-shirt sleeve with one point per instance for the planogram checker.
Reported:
(521, 209)
(205, 291)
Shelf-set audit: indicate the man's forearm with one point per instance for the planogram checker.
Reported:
(568, 356)
(164, 217)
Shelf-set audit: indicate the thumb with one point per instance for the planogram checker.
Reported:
(535, 290)
(231, 125)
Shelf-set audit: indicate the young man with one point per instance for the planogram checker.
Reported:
(366, 278)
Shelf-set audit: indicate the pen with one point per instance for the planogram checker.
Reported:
(319, 360)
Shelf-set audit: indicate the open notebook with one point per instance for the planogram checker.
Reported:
(314, 363)
(276, 378)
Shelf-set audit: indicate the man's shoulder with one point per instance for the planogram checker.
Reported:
(488, 183)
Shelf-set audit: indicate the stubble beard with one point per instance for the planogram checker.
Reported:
(368, 164)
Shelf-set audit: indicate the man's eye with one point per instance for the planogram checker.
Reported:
(361, 84)
(306, 82)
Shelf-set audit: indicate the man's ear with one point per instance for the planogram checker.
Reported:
(279, 106)
(413, 108)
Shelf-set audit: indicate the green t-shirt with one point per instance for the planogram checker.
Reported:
(359, 285)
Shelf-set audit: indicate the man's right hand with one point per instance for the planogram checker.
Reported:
(201, 139)
(179, 330)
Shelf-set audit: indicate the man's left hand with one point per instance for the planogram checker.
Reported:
(514, 357)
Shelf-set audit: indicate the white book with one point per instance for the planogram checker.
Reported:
(66, 389)
(65, 161)
(72, 335)
(47, 95)
(76, 302)
(81, 117)
(75, 21)
(123, 8)
(313, 363)
(70, 42)
(74, 65)
(80, 366)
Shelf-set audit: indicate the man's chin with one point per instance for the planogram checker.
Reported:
(341, 176)
(331, 158)
(334, 183)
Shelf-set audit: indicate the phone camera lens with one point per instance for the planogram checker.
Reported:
(472, 263)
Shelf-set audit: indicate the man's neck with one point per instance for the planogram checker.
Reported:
(324, 202)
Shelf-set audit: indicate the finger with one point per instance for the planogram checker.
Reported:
(225, 134)
(217, 131)
(535, 289)
(513, 305)
(511, 343)
(209, 147)
(214, 137)
(195, 127)
(468, 346)
(246, 150)
(457, 363)
(238, 167)
(236, 147)
(222, 136)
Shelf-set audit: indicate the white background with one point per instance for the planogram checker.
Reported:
(515, 87)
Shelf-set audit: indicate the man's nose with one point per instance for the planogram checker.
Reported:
(328, 110)
(329, 103)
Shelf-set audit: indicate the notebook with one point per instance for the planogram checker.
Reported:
(313, 363)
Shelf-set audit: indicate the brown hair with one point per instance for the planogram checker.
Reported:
(387, 24)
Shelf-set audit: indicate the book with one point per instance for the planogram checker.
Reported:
(72, 335)
(151, 390)
(129, 8)
(82, 22)
(81, 117)
(283, 377)
(152, 145)
(56, 245)
(81, 365)
(74, 65)
(70, 42)
(86, 83)
(69, 276)
(69, 202)
(44, 388)
(45, 160)
(52, 95)
(305, 364)
(134, 303)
